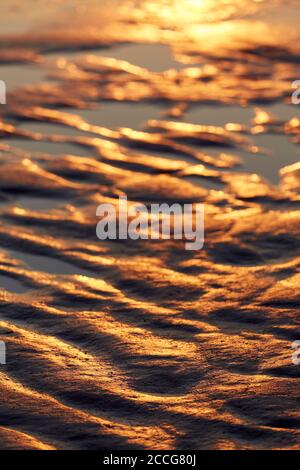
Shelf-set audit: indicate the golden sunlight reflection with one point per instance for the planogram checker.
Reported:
(178, 12)
(139, 343)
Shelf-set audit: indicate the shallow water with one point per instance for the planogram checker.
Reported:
(143, 344)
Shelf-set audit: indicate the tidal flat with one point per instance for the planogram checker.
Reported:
(143, 344)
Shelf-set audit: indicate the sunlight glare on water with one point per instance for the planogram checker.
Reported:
(141, 344)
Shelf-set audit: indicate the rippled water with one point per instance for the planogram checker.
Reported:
(143, 344)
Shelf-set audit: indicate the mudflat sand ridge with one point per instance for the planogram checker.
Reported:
(143, 344)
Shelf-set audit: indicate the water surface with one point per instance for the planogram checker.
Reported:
(145, 345)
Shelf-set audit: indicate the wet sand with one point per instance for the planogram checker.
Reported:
(144, 345)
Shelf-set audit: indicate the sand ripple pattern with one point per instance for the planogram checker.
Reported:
(130, 345)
